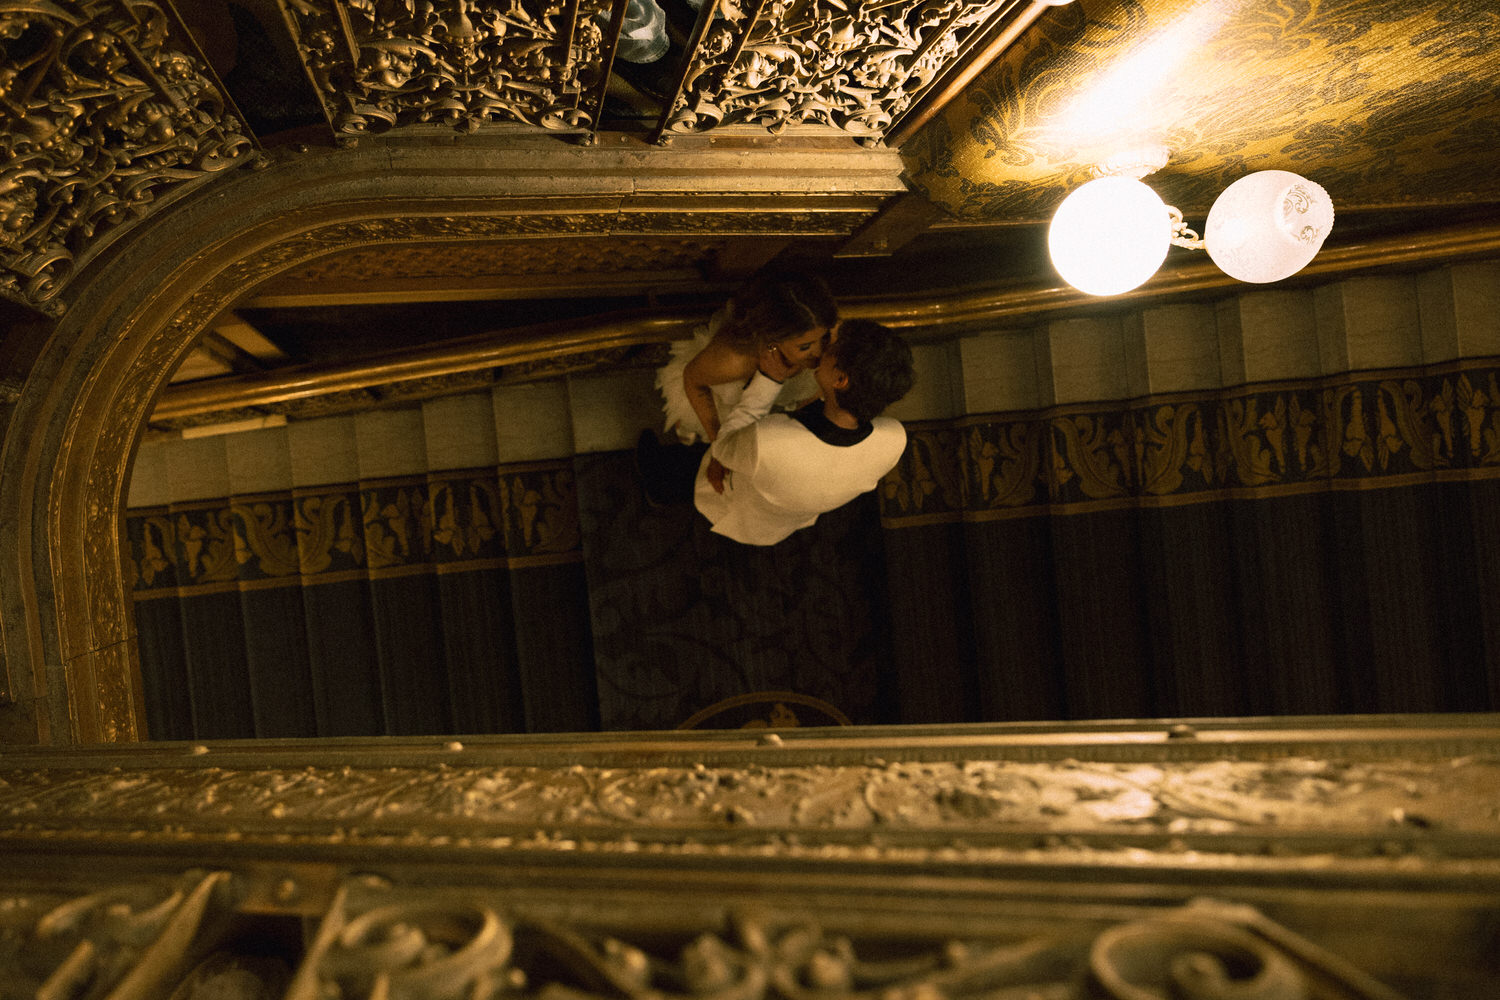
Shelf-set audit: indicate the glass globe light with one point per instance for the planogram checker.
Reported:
(1267, 225)
(1109, 235)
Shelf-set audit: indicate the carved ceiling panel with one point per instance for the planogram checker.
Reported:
(105, 109)
(1384, 103)
(855, 68)
(377, 64)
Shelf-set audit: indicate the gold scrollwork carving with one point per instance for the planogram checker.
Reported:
(1195, 957)
(121, 941)
(855, 69)
(377, 66)
(414, 950)
(139, 940)
(442, 944)
(101, 113)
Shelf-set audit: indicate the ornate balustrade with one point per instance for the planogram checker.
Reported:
(1312, 858)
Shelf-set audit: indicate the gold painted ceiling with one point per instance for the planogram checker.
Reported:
(1383, 102)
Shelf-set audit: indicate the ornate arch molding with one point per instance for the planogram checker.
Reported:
(70, 439)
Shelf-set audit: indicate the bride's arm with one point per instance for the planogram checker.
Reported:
(716, 364)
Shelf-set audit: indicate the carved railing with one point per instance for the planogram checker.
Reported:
(106, 110)
(1301, 860)
(768, 65)
(376, 66)
(190, 936)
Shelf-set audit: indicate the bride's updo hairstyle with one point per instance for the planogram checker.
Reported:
(770, 310)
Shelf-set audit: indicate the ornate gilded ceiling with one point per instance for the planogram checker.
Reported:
(1383, 102)
(111, 111)
(766, 64)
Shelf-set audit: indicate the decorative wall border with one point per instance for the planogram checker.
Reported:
(515, 516)
(1369, 430)
(1284, 794)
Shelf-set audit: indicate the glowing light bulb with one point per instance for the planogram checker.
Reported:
(1109, 235)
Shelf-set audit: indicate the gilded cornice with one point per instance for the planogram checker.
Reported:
(560, 255)
(1382, 102)
(1366, 431)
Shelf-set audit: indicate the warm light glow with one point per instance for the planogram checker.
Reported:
(1268, 225)
(1109, 235)
(1124, 97)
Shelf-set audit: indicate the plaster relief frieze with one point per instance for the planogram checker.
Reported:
(853, 69)
(1128, 810)
(103, 113)
(380, 65)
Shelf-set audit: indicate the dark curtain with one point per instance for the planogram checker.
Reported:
(1323, 547)
(1314, 548)
(452, 603)
(686, 620)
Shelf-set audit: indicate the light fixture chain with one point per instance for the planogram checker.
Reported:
(1182, 236)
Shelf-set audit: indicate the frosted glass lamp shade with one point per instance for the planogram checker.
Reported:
(1109, 235)
(1267, 225)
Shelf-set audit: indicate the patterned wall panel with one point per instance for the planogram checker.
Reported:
(1380, 101)
(1351, 432)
